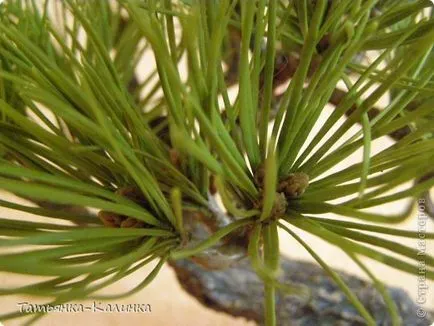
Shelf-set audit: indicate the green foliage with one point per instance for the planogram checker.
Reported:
(78, 128)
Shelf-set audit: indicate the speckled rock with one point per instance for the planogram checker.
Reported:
(239, 292)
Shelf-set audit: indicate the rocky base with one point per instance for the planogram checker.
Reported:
(239, 292)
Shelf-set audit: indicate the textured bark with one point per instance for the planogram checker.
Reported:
(238, 292)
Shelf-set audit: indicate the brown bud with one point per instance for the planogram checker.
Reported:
(259, 176)
(294, 185)
(131, 222)
(110, 219)
(133, 193)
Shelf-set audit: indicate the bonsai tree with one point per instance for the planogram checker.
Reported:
(205, 159)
